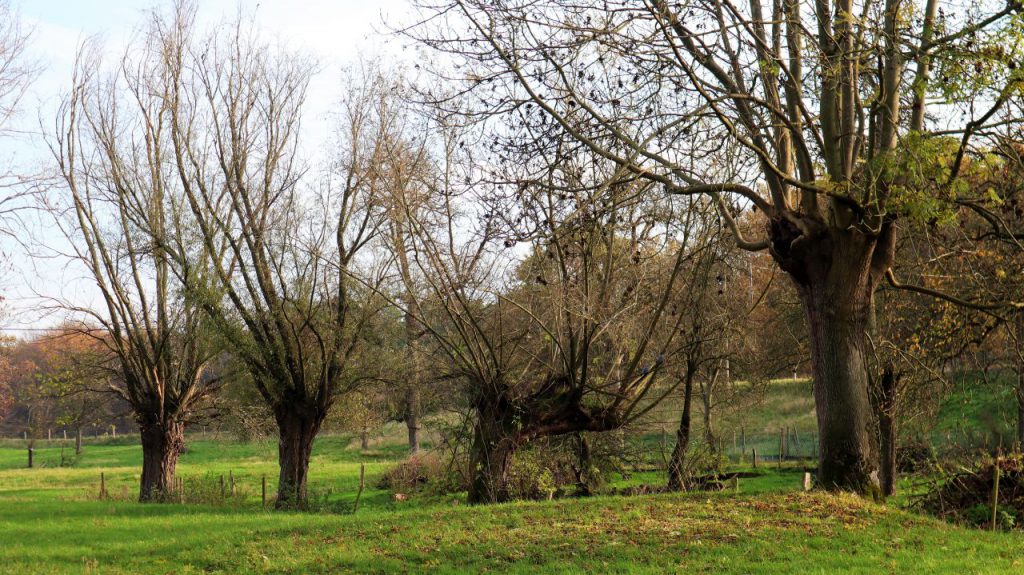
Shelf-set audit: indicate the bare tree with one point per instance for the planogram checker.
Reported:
(828, 100)
(699, 347)
(17, 72)
(566, 332)
(265, 254)
(115, 208)
(405, 170)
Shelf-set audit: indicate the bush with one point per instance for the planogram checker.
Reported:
(913, 457)
(554, 467)
(427, 471)
(966, 496)
(531, 476)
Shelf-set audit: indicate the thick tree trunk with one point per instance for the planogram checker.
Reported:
(837, 331)
(297, 427)
(412, 416)
(78, 440)
(836, 272)
(161, 446)
(677, 462)
(494, 444)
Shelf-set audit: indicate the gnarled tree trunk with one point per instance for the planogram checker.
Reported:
(495, 441)
(162, 443)
(297, 427)
(836, 272)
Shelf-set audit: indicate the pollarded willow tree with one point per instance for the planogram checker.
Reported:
(280, 283)
(853, 117)
(115, 207)
(265, 255)
(549, 279)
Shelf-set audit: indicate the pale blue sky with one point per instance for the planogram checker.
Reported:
(335, 32)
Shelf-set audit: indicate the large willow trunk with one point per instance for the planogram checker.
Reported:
(297, 427)
(162, 443)
(836, 272)
(494, 444)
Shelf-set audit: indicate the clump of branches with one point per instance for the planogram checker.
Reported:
(967, 495)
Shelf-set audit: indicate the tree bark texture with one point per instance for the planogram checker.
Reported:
(836, 272)
(162, 443)
(494, 443)
(297, 428)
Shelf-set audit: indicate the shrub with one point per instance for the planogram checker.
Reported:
(966, 496)
(427, 471)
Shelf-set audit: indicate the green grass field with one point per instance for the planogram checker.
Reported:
(52, 520)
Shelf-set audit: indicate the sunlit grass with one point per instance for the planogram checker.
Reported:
(51, 521)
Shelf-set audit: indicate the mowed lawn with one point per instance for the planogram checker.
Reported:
(51, 521)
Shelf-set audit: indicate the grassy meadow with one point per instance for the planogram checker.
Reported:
(53, 521)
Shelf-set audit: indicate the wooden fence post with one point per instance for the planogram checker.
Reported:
(103, 485)
(222, 486)
(264, 491)
(753, 456)
(231, 482)
(30, 452)
(807, 481)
